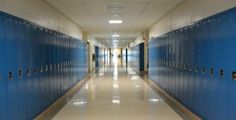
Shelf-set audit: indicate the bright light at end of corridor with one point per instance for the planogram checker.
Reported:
(116, 101)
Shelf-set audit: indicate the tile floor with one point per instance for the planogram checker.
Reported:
(116, 92)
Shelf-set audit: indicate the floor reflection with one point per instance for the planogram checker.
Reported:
(116, 92)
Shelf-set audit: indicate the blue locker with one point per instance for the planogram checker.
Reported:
(190, 64)
(3, 77)
(38, 66)
(20, 53)
(11, 64)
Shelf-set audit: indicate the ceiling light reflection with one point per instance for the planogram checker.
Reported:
(79, 102)
(115, 21)
(153, 100)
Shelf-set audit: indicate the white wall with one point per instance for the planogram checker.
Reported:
(188, 12)
(40, 12)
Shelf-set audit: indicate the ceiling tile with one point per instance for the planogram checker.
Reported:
(93, 15)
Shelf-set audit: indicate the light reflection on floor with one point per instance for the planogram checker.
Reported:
(116, 92)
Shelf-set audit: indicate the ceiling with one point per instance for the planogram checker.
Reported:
(93, 16)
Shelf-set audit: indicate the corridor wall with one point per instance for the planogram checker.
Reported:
(196, 65)
(136, 57)
(38, 66)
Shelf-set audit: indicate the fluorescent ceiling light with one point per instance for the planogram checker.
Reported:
(115, 35)
(115, 21)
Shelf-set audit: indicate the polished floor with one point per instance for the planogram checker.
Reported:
(116, 92)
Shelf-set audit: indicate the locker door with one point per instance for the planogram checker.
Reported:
(231, 69)
(30, 88)
(21, 68)
(11, 64)
(3, 73)
(50, 42)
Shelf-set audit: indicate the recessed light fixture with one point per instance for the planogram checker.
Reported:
(115, 35)
(115, 21)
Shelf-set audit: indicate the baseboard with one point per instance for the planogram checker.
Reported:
(52, 110)
(137, 71)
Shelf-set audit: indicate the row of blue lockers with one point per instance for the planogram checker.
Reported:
(136, 57)
(196, 65)
(38, 66)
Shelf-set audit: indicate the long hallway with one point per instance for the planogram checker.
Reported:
(116, 92)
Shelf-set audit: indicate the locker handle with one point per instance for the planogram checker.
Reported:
(41, 69)
(55, 66)
(51, 67)
(28, 72)
(196, 68)
(221, 73)
(203, 70)
(35, 70)
(190, 67)
(212, 71)
(185, 66)
(10, 76)
(46, 68)
(20, 73)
